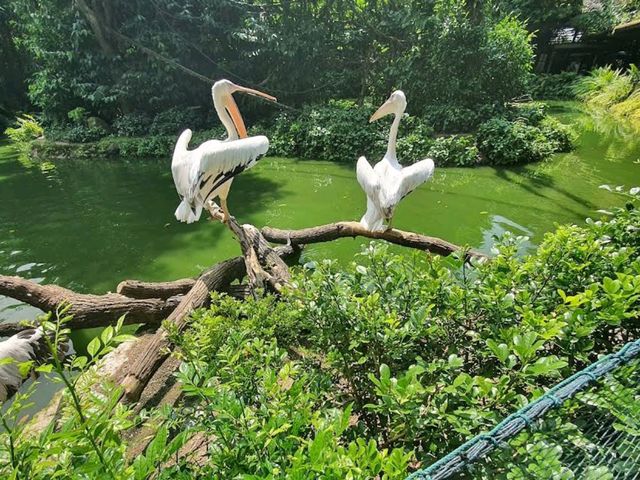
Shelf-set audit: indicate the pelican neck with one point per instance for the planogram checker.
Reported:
(226, 120)
(393, 137)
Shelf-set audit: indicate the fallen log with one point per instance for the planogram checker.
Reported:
(333, 231)
(87, 310)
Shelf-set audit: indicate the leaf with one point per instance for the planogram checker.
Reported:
(107, 335)
(545, 366)
(79, 362)
(525, 346)
(25, 367)
(455, 361)
(501, 351)
(94, 347)
(610, 285)
(124, 337)
(48, 368)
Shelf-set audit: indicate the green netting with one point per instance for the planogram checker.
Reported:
(586, 427)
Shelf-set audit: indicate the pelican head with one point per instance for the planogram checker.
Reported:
(222, 92)
(396, 104)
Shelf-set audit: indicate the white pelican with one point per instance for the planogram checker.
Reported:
(202, 174)
(27, 345)
(388, 182)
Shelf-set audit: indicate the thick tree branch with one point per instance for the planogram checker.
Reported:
(87, 310)
(137, 289)
(333, 231)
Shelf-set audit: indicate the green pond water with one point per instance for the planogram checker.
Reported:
(87, 225)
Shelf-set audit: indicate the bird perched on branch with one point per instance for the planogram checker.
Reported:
(26, 346)
(389, 182)
(202, 174)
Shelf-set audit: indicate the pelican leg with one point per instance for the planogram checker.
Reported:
(225, 209)
(389, 227)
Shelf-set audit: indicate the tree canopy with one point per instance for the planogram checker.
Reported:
(112, 57)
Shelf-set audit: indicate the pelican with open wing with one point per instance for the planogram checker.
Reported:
(389, 182)
(205, 173)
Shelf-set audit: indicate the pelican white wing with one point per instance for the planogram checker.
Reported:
(373, 219)
(412, 177)
(27, 345)
(200, 174)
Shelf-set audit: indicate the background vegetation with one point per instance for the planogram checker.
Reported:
(103, 71)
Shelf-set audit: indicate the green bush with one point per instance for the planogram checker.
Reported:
(560, 136)
(27, 129)
(453, 118)
(532, 113)
(604, 87)
(77, 115)
(395, 351)
(176, 119)
(553, 86)
(352, 372)
(502, 142)
(132, 125)
(455, 150)
(78, 133)
(340, 132)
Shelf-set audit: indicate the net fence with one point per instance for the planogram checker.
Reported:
(587, 427)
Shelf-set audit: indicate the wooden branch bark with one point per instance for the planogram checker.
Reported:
(265, 268)
(87, 310)
(157, 349)
(137, 289)
(333, 231)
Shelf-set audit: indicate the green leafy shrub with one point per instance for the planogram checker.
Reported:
(78, 133)
(27, 129)
(176, 119)
(84, 439)
(340, 132)
(553, 86)
(132, 125)
(77, 115)
(604, 87)
(560, 136)
(453, 118)
(455, 150)
(532, 113)
(412, 347)
(502, 142)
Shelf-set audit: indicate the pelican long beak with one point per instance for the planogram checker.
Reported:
(232, 107)
(236, 118)
(255, 93)
(385, 109)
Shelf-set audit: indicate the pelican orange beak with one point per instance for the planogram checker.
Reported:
(384, 110)
(232, 107)
(255, 93)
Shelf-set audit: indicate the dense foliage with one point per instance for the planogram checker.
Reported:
(338, 131)
(616, 91)
(400, 351)
(551, 86)
(525, 135)
(114, 58)
(359, 372)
